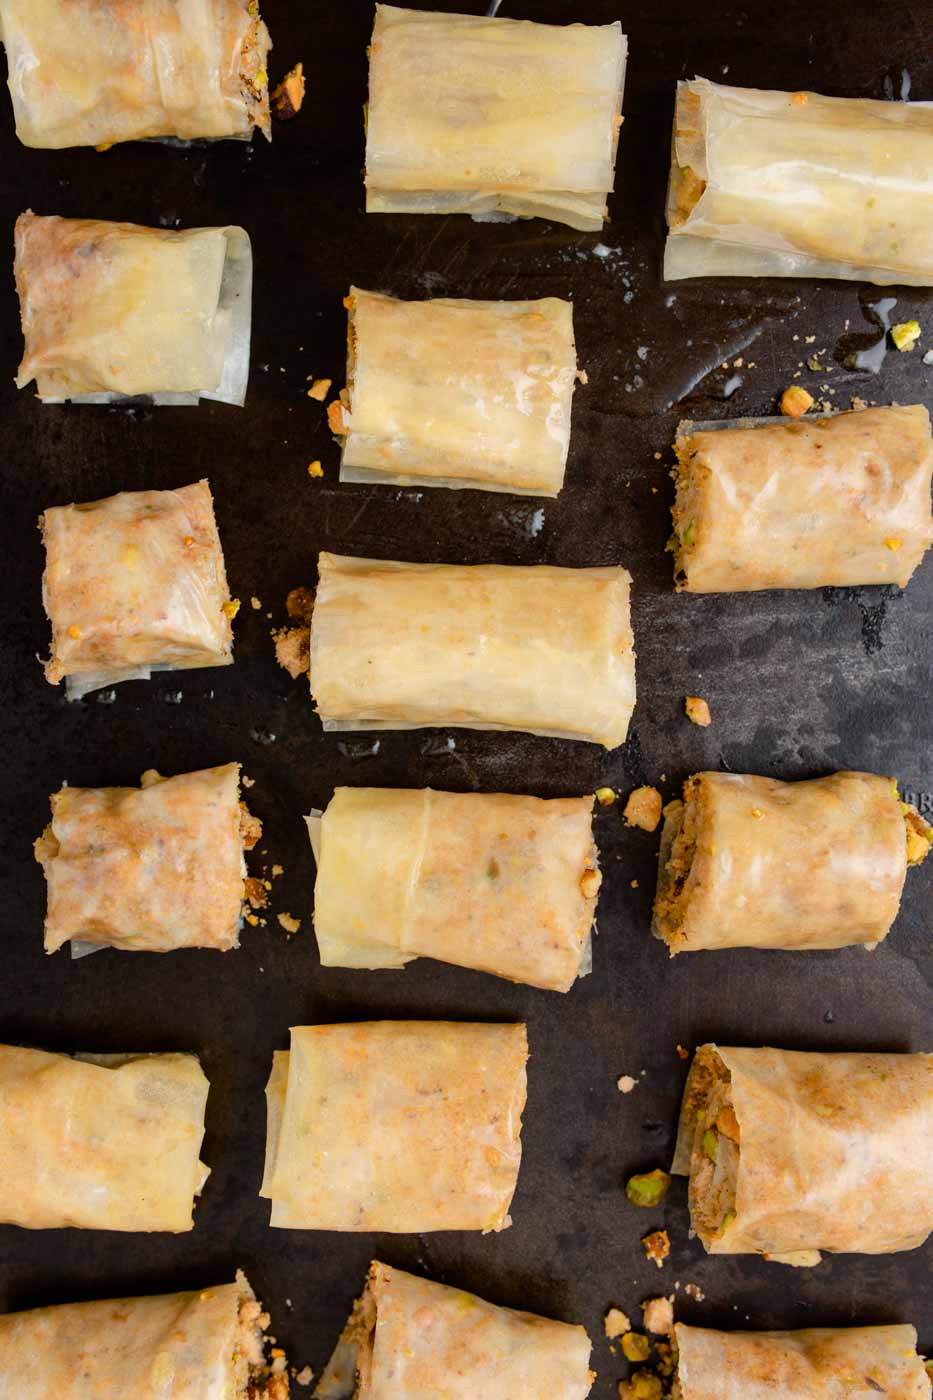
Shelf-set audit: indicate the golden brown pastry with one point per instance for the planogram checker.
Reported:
(751, 862)
(789, 1153)
(502, 884)
(135, 584)
(105, 1142)
(148, 869)
(397, 1126)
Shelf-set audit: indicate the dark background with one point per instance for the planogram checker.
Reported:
(799, 683)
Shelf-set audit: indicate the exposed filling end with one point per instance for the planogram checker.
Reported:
(254, 74)
(258, 1376)
(714, 1163)
(689, 477)
(349, 1372)
(919, 835)
(687, 185)
(338, 412)
(675, 866)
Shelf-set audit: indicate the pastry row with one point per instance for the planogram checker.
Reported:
(409, 1338)
(407, 1127)
(500, 883)
(762, 183)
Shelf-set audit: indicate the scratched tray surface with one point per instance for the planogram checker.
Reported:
(798, 683)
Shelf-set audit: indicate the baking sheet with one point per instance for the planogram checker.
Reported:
(798, 684)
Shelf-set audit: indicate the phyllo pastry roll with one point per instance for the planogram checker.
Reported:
(821, 1363)
(751, 862)
(134, 584)
(410, 1339)
(483, 646)
(111, 311)
(832, 501)
(95, 72)
(105, 1142)
(793, 184)
(208, 1345)
(458, 393)
(148, 869)
(502, 884)
(398, 1126)
(789, 1153)
(483, 116)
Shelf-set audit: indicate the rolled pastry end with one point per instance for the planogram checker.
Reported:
(675, 867)
(259, 1369)
(714, 1148)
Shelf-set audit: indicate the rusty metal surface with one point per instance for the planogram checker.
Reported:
(798, 683)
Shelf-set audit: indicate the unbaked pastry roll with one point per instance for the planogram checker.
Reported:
(483, 116)
(793, 184)
(824, 502)
(207, 1345)
(134, 584)
(789, 1153)
(483, 646)
(106, 1142)
(410, 1339)
(458, 393)
(503, 884)
(821, 1363)
(398, 1126)
(111, 311)
(92, 73)
(751, 862)
(148, 869)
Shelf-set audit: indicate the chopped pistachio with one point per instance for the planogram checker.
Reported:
(711, 1144)
(727, 1220)
(636, 1346)
(648, 1188)
(906, 334)
(688, 538)
(605, 796)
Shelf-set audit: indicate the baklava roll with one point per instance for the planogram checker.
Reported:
(789, 1153)
(113, 311)
(134, 584)
(408, 1337)
(92, 73)
(503, 884)
(397, 1126)
(209, 1344)
(751, 862)
(148, 869)
(106, 1142)
(484, 646)
(458, 393)
(819, 503)
(821, 1363)
(793, 184)
(492, 116)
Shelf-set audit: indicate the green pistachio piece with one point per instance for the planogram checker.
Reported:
(648, 1189)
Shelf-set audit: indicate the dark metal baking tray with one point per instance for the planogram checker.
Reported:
(799, 683)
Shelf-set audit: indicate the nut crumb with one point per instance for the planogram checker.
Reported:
(288, 923)
(682, 1053)
(305, 1376)
(626, 1084)
(299, 604)
(616, 1323)
(657, 1247)
(247, 782)
(643, 808)
(605, 796)
(315, 468)
(319, 390)
(293, 650)
(795, 401)
(697, 711)
(250, 828)
(255, 604)
(695, 1292)
(906, 334)
(255, 893)
(633, 884)
(277, 870)
(583, 377)
(287, 97)
(231, 609)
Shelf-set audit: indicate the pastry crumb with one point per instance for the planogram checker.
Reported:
(625, 1084)
(276, 871)
(255, 604)
(643, 808)
(247, 782)
(305, 1376)
(286, 99)
(658, 1315)
(657, 1247)
(795, 401)
(697, 711)
(289, 923)
(293, 650)
(320, 388)
(616, 1323)
(256, 893)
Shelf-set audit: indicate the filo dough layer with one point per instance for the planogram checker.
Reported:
(411, 1339)
(751, 862)
(100, 1143)
(820, 1363)
(789, 1152)
(132, 584)
(120, 309)
(780, 184)
(207, 1345)
(543, 649)
(459, 393)
(147, 869)
(95, 72)
(398, 1126)
(832, 501)
(478, 116)
(502, 884)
